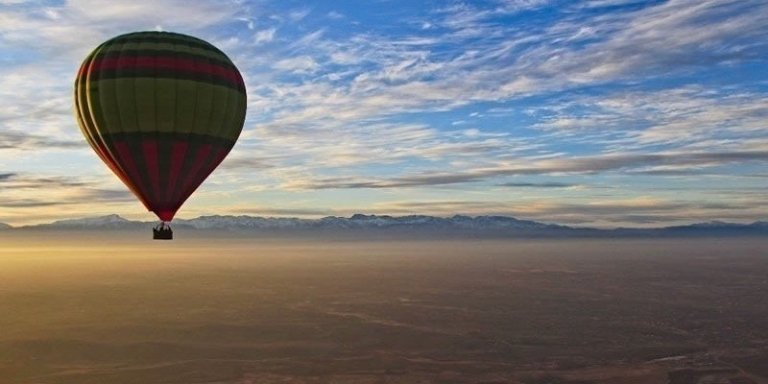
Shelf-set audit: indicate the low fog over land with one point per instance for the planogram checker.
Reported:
(79, 307)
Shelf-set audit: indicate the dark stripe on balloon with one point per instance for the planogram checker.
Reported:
(206, 167)
(165, 67)
(164, 170)
(171, 74)
(224, 62)
(172, 137)
(191, 163)
(123, 149)
(165, 38)
(149, 149)
(210, 161)
(117, 169)
(192, 179)
(169, 62)
(177, 155)
(188, 163)
(142, 166)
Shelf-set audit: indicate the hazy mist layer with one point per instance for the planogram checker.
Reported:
(120, 308)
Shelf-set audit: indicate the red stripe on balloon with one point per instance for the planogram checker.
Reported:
(102, 151)
(210, 162)
(194, 177)
(217, 157)
(116, 168)
(148, 62)
(127, 163)
(149, 147)
(178, 151)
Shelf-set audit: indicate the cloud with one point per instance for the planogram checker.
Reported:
(308, 41)
(105, 195)
(26, 203)
(335, 15)
(282, 212)
(393, 75)
(667, 37)
(6, 176)
(606, 212)
(657, 40)
(252, 163)
(15, 181)
(299, 14)
(405, 75)
(609, 3)
(537, 185)
(24, 141)
(300, 64)
(572, 165)
(23, 191)
(43, 45)
(678, 114)
(601, 89)
(74, 27)
(265, 35)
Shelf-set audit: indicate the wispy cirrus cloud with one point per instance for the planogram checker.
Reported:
(24, 197)
(72, 28)
(547, 96)
(265, 35)
(24, 141)
(21, 191)
(6, 176)
(641, 211)
(573, 165)
(407, 78)
(550, 184)
(16, 181)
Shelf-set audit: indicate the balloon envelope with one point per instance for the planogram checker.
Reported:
(162, 110)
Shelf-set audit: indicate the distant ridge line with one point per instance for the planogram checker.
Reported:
(417, 225)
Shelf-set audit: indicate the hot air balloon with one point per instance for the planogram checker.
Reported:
(162, 110)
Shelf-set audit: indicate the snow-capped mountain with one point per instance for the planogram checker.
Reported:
(720, 227)
(360, 221)
(416, 225)
(103, 222)
(240, 222)
(357, 221)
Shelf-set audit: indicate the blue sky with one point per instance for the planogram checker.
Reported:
(598, 112)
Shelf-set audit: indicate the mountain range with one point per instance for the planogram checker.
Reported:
(412, 225)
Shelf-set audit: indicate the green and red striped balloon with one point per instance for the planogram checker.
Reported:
(162, 110)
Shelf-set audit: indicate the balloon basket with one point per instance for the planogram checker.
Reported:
(162, 231)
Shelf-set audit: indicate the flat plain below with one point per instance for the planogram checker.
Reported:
(113, 307)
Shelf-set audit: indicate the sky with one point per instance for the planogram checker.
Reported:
(600, 113)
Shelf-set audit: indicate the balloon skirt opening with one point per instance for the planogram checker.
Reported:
(165, 215)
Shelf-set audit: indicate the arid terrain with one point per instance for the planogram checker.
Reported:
(119, 308)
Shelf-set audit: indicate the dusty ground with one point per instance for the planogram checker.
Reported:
(123, 309)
